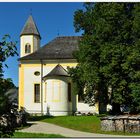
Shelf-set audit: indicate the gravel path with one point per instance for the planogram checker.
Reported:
(42, 127)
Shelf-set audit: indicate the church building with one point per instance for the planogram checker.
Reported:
(45, 86)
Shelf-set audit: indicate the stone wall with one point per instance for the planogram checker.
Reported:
(125, 123)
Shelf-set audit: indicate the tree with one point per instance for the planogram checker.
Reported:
(5, 105)
(133, 62)
(88, 56)
(7, 49)
(109, 52)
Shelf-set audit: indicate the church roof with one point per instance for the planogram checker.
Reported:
(30, 28)
(57, 71)
(59, 48)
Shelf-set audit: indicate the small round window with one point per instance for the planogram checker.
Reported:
(37, 73)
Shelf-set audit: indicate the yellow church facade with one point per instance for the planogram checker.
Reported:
(45, 86)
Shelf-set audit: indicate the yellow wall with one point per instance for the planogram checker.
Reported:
(21, 86)
(45, 94)
(21, 76)
(97, 106)
(22, 67)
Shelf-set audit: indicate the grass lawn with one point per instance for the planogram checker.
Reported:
(81, 123)
(35, 135)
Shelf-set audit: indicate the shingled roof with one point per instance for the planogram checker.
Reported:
(30, 28)
(59, 48)
(57, 71)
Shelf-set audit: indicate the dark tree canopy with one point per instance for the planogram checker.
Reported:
(5, 85)
(109, 53)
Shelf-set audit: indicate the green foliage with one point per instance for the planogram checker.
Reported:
(78, 83)
(7, 49)
(109, 51)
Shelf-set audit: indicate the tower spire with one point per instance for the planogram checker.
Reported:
(29, 38)
(30, 28)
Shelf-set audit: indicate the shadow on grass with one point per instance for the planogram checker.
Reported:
(38, 118)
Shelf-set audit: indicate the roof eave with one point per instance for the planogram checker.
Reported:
(30, 34)
(20, 59)
(50, 76)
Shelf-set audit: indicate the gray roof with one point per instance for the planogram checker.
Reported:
(57, 71)
(30, 28)
(59, 48)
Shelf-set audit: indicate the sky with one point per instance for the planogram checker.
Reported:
(50, 18)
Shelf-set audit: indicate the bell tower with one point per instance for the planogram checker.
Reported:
(29, 38)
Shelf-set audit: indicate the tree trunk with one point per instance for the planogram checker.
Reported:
(116, 109)
(102, 108)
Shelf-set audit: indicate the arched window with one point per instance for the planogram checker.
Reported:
(27, 48)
